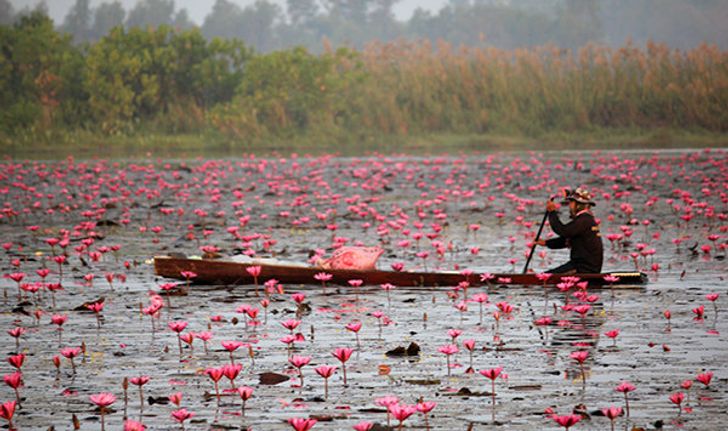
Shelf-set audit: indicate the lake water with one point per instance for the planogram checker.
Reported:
(669, 207)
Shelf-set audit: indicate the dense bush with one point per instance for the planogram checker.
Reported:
(171, 81)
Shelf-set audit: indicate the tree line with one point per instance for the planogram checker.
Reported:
(266, 26)
(176, 81)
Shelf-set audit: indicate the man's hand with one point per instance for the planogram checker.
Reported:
(541, 242)
(551, 206)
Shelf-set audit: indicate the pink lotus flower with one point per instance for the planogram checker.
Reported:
(298, 298)
(612, 413)
(387, 402)
(447, 350)
(705, 378)
(397, 266)
(299, 362)
(103, 400)
(7, 410)
(59, 319)
(454, 333)
(132, 425)
(181, 416)
(580, 356)
(325, 371)
(625, 388)
(401, 412)
(343, 354)
(177, 326)
(215, 375)
(70, 353)
(677, 398)
(188, 274)
(302, 424)
(245, 392)
(363, 426)
(291, 324)
(15, 381)
(231, 371)
(175, 398)
(355, 327)
(425, 407)
(255, 271)
(492, 374)
(566, 421)
(17, 360)
(231, 346)
(613, 335)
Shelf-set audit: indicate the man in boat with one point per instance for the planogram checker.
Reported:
(581, 234)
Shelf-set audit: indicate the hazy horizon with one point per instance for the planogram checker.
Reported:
(198, 9)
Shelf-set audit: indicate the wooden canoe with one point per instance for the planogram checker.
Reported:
(225, 271)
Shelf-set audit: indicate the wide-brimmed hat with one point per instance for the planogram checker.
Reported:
(579, 195)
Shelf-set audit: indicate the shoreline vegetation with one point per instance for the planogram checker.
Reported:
(87, 145)
(170, 91)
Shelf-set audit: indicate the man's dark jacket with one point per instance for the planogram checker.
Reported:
(582, 235)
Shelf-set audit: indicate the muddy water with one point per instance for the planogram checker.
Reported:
(275, 196)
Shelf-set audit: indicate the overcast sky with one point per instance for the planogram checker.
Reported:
(198, 9)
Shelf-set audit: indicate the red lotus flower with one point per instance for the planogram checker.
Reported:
(705, 378)
(182, 415)
(325, 371)
(566, 421)
(177, 326)
(291, 324)
(612, 413)
(175, 398)
(363, 426)
(7, 410)
(132, 425)
(245, 393)
(343, 354)
(302, 424)
(17, 360)
(103, 399)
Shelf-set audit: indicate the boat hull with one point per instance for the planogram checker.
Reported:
(222, 271)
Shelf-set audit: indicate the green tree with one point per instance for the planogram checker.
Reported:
(301, 12)
(7, 15)
(160, 75)
(288, 92)
(121, 79)
(78, 21)
(578, 23)
(182, 20)
(218, 75)
(106, 17)
(382, 21)
(354, 11)
(152, 13)
(31, 72)
(222, 21)
(255, 24)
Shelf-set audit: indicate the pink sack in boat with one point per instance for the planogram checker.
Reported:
(358, 258)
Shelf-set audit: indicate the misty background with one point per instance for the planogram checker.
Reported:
(269, 25)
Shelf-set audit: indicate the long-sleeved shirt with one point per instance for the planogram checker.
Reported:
(581, 235)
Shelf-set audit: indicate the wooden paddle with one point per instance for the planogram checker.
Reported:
(538, 235)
